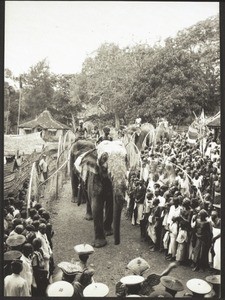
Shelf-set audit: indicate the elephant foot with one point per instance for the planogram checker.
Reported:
(99, 243)
(88, 217)
(74, 200)
(108, 232)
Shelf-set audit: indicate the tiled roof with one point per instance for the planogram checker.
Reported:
(44, 120)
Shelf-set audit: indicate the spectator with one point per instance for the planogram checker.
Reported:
(153, 230)
(45, 246)
(43, 167)
(27, 272)
(203, 240)
(40, 274)
(14, 284)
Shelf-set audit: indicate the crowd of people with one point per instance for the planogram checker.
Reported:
(175, 199)
(28, 247)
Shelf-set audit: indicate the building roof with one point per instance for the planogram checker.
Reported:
(215, 121)
(26, 143)
(44, 120)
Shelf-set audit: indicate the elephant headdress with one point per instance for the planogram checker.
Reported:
(114, 153)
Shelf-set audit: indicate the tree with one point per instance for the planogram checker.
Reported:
(62, 106)
(11, 102)
(38, 88)
(180, 77)
(107, 78)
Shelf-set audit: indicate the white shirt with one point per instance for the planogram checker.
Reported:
(43, 165)
(15, 286)
(47, 251)
(197, 182)
(162, 201)
(173, 212)
(27, 272)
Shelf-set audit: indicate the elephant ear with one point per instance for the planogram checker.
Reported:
(89, 163)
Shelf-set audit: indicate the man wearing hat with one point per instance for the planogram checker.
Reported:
(69, 270)
(15, 242)
(96, 289)
(172, 285)
(10, 256)
(215, 280)
(83, 250)
(198, 287)
(60, 289)
(132, 285)
(160, 294)
(138, 266)
(14, 284)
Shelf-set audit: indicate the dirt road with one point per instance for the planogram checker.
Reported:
(110, 261)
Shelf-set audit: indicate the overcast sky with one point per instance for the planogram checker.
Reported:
(67, 32)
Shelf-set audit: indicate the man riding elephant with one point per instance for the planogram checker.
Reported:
(81, 131)
(141, 134)
(106, 136)
(163, 130)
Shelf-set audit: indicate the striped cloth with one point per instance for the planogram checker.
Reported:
(192, 134)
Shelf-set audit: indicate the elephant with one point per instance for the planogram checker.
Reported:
(163, 130)
(78, 148)
(103, 171)
(89, 126)
(142, 136)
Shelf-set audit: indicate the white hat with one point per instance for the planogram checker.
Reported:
(214, 279)
(60, 289)
(132, 279)
(96, 289)
(198, 286)
(84, 249)
(69, 268)
(15, 240)
(138, 265)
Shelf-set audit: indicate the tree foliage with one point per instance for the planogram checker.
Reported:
(38, 89)
(170, 80)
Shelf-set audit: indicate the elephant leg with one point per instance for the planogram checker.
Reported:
(88, 215)
(82, 195)
(97, 210)
(108, 214)
(75, 184)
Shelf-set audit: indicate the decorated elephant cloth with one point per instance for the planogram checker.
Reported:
(78, 161)
(116, 154)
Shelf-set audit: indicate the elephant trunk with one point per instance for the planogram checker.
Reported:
(117, 209)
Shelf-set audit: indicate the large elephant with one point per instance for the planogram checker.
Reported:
(141, 136)
(102, 171)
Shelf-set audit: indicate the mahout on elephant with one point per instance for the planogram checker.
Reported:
(102, 171)
(142, 135)
(81, 131)
(163, 130)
